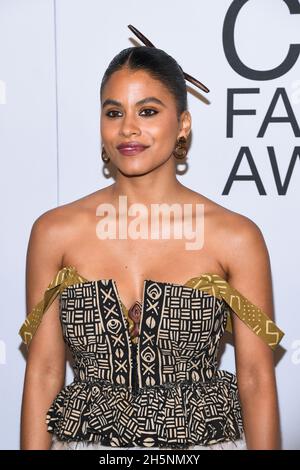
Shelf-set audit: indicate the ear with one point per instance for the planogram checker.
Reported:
(185, 124)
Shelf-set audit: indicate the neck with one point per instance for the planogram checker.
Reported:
(147, 189)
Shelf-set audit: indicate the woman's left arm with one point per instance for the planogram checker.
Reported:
(249, 272)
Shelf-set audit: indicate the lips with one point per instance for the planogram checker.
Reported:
(131, 146)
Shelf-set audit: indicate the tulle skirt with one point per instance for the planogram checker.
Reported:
(239, 444)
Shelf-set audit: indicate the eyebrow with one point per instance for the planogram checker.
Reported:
(149, 99)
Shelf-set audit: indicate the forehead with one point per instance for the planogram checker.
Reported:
(132, 85)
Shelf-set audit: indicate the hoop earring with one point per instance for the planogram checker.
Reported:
(180, 150)
(104, 156)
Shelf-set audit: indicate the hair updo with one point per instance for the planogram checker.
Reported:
(160, 65)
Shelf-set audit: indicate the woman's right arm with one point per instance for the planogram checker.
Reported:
(46, 360)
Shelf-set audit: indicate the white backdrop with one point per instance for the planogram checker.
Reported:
(52, 58)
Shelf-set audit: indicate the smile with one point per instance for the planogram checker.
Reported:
(134, 150)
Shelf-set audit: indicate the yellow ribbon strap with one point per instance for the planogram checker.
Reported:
(249, 313)
(65, 277)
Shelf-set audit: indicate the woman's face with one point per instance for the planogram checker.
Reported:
(136, 108)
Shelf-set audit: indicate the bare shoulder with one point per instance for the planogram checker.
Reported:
(241, 235)
(245, 244)
(61, 224)
(237, 241)
(50, 230)
(51, 235)
(243, 252)
(229, 228)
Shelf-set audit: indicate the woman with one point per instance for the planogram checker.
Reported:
(147, 376)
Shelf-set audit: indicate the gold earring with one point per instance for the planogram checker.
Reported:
(180, 150)
(104, 156)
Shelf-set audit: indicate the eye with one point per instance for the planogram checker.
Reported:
(149, 112)
(108, 114)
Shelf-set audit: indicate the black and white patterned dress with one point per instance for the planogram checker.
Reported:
(147, 377)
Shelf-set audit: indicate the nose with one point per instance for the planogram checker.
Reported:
(129, 125)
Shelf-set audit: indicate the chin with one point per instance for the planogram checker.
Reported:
(133, 168)
(135, 172)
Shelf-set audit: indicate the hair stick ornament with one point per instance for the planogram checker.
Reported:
(148, 43)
